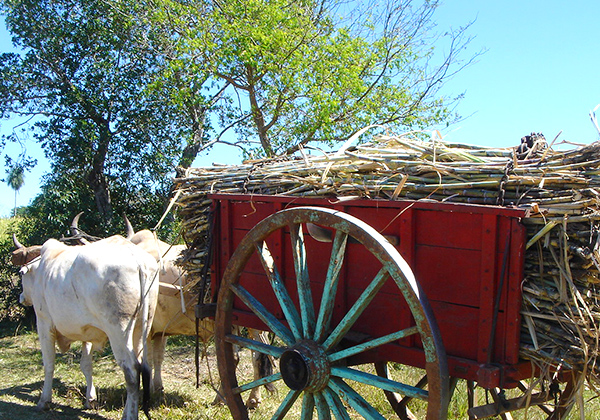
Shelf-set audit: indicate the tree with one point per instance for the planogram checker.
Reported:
(128, 90)
(86, 69)
(317, 70)
(15, 180)
(15, 171)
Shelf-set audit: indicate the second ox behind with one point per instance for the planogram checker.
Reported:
(173, 318)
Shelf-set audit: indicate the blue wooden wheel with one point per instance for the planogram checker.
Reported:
(313, 377)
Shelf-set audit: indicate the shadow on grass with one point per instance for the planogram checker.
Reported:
(13, 328)
(68, 402)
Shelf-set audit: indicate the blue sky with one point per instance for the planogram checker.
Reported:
(540, 73)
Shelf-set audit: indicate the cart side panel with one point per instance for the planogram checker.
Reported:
(467, 260)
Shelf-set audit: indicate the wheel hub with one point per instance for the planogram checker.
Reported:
(305, 367)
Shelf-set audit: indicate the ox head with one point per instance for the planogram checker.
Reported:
(26, 257)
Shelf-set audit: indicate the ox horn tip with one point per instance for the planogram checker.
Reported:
(75, 224)
(129, 227)
(18, 244)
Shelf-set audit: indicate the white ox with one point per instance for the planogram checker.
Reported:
(170, 318)
(93, 293)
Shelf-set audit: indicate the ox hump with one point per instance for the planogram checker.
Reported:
(53, 248)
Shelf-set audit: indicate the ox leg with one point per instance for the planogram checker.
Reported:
(159, 343)
(86, 368)
(219, 397)
(260, 366)
(47, 343)
(128, 362)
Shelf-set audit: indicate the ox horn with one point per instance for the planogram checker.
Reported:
(129, 227)
(18, 244)
(75, 225)
(75, 231)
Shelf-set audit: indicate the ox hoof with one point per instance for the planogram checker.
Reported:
(218, 401)
(157, 391)
(43, 405)
(159, 397)
(91, 405)
(252, 403)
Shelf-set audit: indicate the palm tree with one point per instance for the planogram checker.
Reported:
(15, 180)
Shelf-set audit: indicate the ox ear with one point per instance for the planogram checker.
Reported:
(19, 257)
(129, 227)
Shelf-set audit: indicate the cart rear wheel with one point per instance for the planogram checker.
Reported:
(402, 405)
(553, 400)
(314, 373)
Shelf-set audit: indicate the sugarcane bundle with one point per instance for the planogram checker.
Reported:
(559, 189)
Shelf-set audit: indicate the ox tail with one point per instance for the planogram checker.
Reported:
(146, 371)
(146, 377)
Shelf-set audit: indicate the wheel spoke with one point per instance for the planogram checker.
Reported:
(335, 404)
(356, 310)
(254, 345)
(254, 384)
(379, 382)
(353, 399)
(359, 348)
(308, 406)
(285, 302)
(273, 323)
(331, 280)
(322, 408)
(286, 404)
(307, 309)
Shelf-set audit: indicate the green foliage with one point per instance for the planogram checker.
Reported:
(15, 177)
(294, 73)
(10, 285)
(121, 93)
(86, 69)
(50, 214)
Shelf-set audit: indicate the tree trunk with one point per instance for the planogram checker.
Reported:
(98, 184)
(257, 115)
(96, 177)
(193, 147)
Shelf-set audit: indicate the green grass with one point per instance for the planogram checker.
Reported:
(21, 378)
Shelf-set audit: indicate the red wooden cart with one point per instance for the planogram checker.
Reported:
(354, 290)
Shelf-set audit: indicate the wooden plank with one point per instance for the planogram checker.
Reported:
(487, 287)
(225, 236)
(514, 295)
(361, 202)
(407, 250)
(449, 229)
(449, 274)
